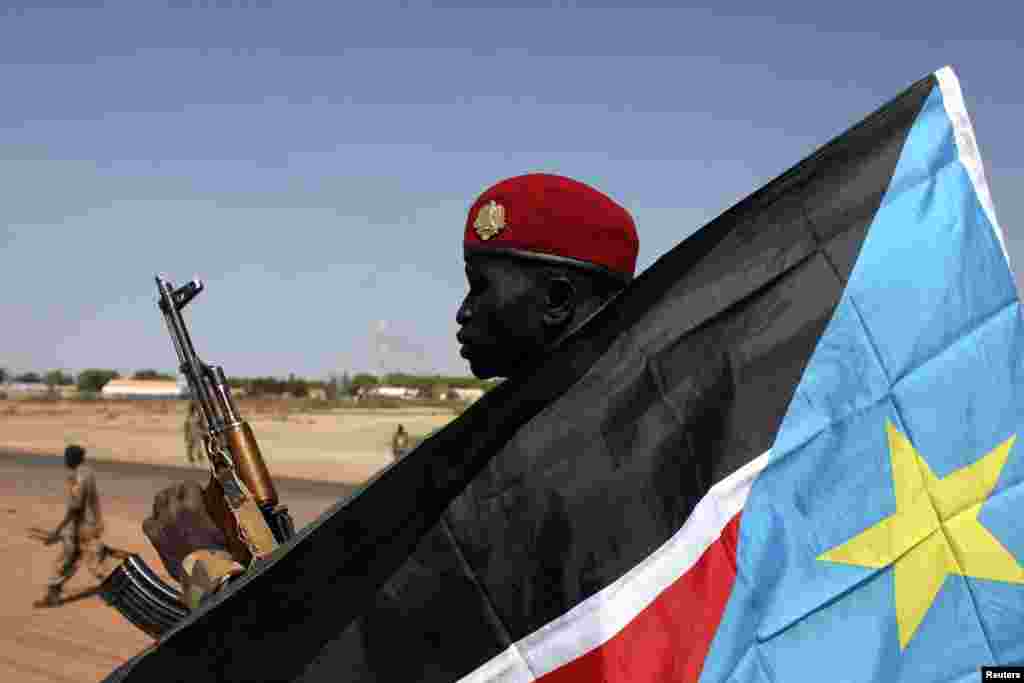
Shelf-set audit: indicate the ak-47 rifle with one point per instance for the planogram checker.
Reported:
(240, 496)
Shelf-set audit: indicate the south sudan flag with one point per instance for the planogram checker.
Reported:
(787, 452)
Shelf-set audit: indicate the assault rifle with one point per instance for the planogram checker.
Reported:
(240, 496)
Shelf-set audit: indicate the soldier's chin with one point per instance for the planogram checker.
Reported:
(481, 368)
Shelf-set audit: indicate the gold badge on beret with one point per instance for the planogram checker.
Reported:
(490, 220)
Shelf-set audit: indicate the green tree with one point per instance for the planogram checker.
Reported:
(58, 378)
(363, 379)
(151, 374)
(93, 379)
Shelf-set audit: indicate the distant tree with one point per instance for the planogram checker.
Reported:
(429, 383)
(58, 378)
(361, 380)
(3, 375)
(29, 378)
(263, 386)
(151, 374)
(93, 379)
(471, 383)
(403, 379)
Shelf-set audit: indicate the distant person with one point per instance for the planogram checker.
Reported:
(195, 433)
(400, 443)
(81, 530)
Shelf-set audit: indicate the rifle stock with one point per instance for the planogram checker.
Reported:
(240, 484)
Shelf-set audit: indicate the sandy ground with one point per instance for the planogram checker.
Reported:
(354, 443)
(83, 640)
(136, 452)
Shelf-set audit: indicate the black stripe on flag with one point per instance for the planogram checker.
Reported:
(557, 483)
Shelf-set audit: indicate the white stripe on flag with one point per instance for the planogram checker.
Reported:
(597, 619)
(967, 146)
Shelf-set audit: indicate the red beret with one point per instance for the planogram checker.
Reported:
(553, 218)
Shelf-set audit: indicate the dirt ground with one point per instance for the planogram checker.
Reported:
(356, 443)
(83, 640)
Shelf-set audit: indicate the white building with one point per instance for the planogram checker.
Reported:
(144, 388)
(389, 392)
(468, 394)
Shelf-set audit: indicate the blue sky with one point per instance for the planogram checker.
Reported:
(313, 162)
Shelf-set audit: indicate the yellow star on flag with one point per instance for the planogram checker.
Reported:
(934, 532)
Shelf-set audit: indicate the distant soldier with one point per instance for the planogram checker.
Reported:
(400, 443)
(195, 432)
(81, 531)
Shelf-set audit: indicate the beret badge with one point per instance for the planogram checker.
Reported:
(490, 220)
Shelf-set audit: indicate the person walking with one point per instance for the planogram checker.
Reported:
(194, 435)
(399, 443)
(80, 532)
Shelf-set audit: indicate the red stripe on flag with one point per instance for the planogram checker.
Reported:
(670, 638)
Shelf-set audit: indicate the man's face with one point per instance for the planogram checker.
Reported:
(502, 317)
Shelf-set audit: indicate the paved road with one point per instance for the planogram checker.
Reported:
(44, 475)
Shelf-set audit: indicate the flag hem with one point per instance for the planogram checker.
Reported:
(967, 148)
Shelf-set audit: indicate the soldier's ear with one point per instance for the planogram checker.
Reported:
(559, 300)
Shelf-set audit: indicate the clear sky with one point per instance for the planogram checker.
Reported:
(313, 162)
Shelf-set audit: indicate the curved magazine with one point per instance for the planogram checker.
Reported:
(144, 599)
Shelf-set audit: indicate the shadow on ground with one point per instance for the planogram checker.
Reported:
(46, 538)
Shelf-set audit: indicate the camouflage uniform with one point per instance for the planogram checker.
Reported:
(399, 443)
(194, 435)
(82, 538)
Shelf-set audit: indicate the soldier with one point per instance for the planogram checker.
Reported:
(543, 254)
(81, 530)
(194, 434)
(399, 443)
